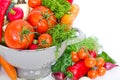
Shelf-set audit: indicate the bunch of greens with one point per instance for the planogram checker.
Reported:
(91, 43)
(59, 34)
(65, 60)
(106, 57)
(59, 7)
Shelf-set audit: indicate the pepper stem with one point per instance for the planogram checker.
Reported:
(69, 75)
(13, 12)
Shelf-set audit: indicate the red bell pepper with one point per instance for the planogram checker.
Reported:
(77, 70)
(3, 8)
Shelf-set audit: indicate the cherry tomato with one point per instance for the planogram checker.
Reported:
(92, 74)
(44, 40)
(90, 62)
(19, 34)
(101, 71)
(82, 54)
(34, 3)
(100, 62)
(75, 57)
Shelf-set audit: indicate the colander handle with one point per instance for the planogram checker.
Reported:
(80, 37)
(80, 33)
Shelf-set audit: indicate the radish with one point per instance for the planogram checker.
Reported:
(33, 47)
(70, 1)
(15, 13)
(109, 65)
(58, 76)
(24, 6)
(92, 53)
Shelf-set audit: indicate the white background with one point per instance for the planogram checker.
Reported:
(100, 18)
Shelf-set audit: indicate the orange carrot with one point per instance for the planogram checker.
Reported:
(75, 9)
(69, 18)
(10, 70)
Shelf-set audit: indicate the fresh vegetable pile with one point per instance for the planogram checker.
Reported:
(44, 23)
(82, 59)
(38, 23)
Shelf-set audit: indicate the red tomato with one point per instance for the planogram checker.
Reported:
(42, 18)
(45, 40)
(47, 14)
(100, 62)
(75, 57)
(34, 3)
(82, 54)
(101, 71)
(19, 34)
(90, 62)
(92, 74)
(38, 22)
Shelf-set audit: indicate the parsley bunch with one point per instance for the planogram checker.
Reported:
(59, 34)
(59, 7)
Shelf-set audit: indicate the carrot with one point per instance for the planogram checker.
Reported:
(10, 70)
(69, 17)
(75, 9)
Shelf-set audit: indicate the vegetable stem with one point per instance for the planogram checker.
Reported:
(12, 11)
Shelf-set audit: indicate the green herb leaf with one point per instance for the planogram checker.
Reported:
(91, 43)
(59, 7)
(59, 34)
(106, 57)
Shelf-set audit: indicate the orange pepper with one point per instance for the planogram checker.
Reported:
(69, 17)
